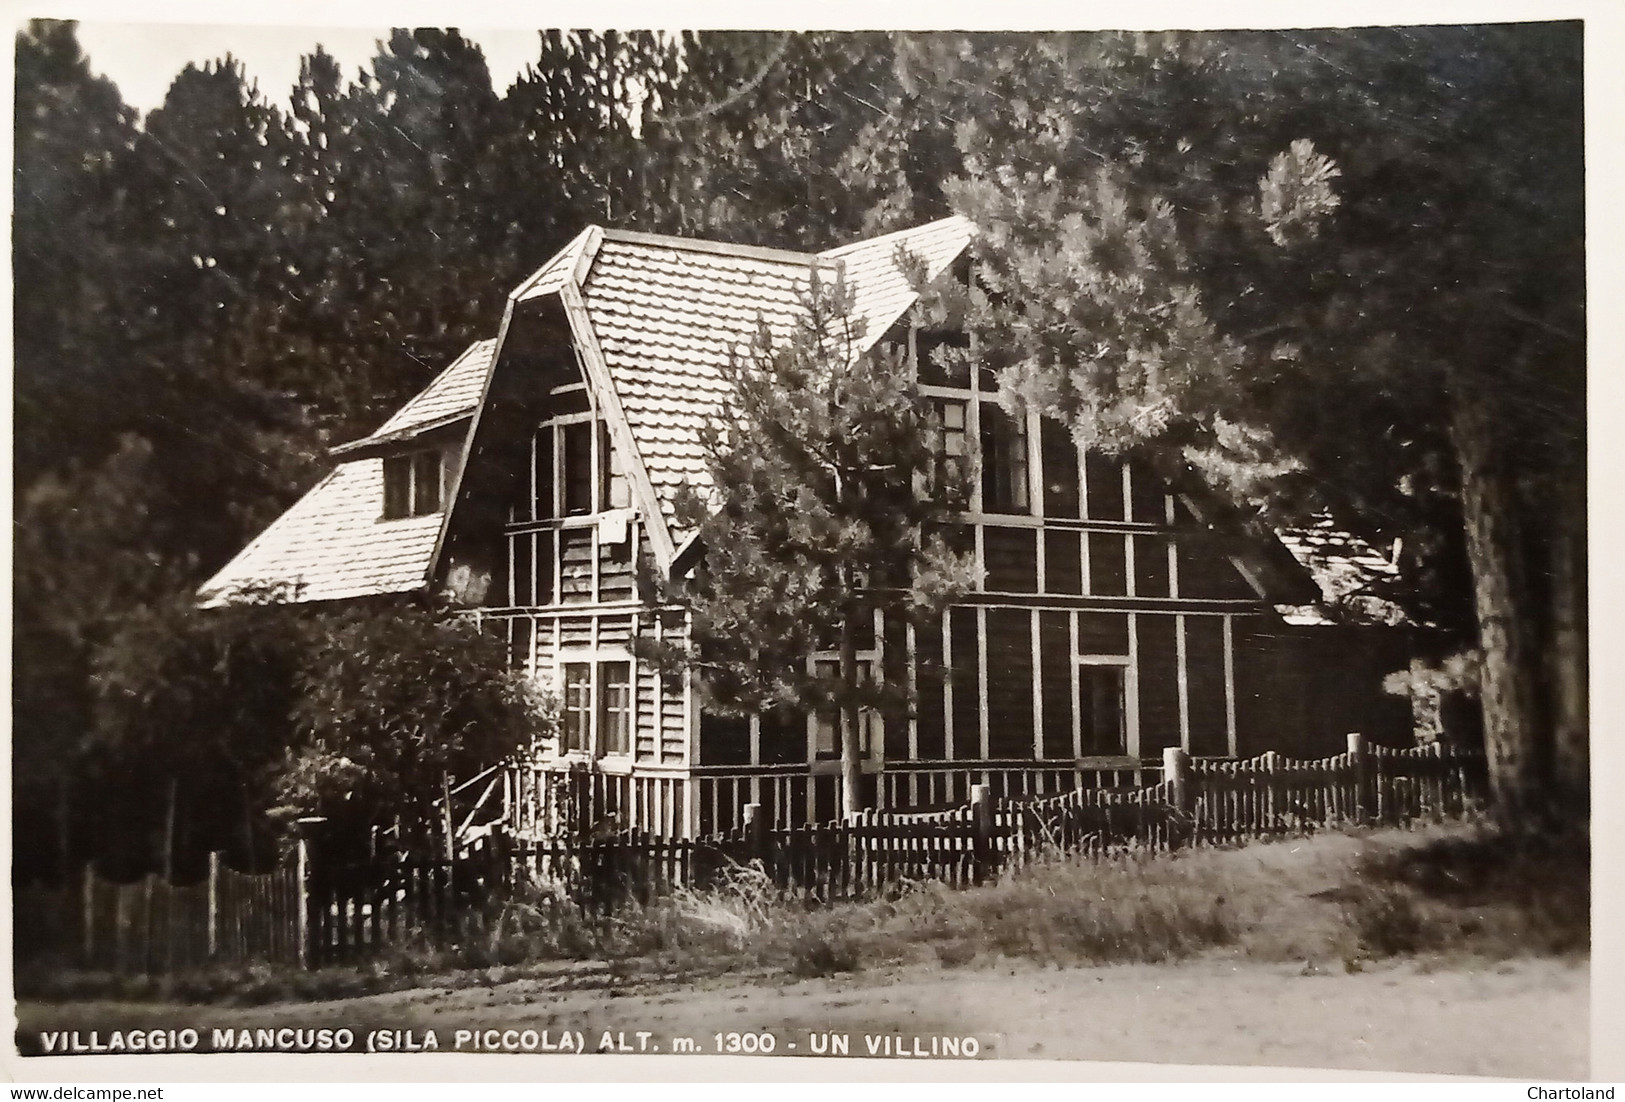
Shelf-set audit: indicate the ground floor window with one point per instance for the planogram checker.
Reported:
(826, 722)
(597, 712)
(1101, 694)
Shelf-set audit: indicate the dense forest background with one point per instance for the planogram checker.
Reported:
(1391, 320)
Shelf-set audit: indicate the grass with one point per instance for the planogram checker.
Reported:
(1446, 892)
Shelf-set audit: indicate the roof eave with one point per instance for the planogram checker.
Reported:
(369, 445)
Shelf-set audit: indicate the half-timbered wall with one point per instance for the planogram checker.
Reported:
(1103, 627)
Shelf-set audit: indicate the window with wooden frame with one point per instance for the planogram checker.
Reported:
(1102, 696)
(950, 446)
(1004, 461)
(412, 484)
(614, 708)
(575, 721)
(596, 719)
(577, 469)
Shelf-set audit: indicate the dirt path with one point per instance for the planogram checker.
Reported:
(1527, 1019)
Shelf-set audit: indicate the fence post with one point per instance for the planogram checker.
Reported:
(1176, 771)
(981, 807)
(756, 838)
(502, 872)
(90, 914)
(1361, 760)
(302, 876)
(1272, 794)
(214, 903)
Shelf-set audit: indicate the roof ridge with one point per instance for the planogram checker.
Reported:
(565, 257)
(726, 248)
(940, 223)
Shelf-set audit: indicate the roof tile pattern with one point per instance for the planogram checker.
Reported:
(1347, 569)
(557, 271)
(455, 391)
(332, 544)
(667, 320)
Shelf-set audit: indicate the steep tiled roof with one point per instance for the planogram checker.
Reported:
(455, 391)
(333, 545)
(668, 313)
(562, 268)
(667, 320)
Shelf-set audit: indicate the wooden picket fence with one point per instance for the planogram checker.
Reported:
(313, 913)
(154, 927)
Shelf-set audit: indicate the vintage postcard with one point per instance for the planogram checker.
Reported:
(835, 553)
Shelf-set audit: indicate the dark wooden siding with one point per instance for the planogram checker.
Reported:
(1010, 683)
(895, 665)
(1104, 487)
(1205, 571)
(1063, 564)
(1204, 680)
(1012, 559)
(928, 683)
(1103, 633)
(1148, 505)
(1151, 566)
(1159, 684)
(1056, 675)
(967, 711)
(1108, 564)
(1060, 457)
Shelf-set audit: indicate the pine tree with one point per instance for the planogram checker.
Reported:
(824, 483)
(1334, 270)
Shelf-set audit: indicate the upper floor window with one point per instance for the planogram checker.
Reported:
(578, 470)
(1004, 461)
(950, 445)
(412, 484)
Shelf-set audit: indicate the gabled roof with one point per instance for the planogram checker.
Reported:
(655, 320)
(453, 395)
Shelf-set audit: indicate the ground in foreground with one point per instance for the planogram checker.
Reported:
(1524, 1019)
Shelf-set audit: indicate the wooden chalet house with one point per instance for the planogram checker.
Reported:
(535, 474)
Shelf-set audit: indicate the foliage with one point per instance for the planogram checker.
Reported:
(391, 700)
(264, 711)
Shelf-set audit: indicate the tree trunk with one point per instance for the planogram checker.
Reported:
(169, 829)
(851, 772)
(1517, 742)
(1567, 664)
(64, 825)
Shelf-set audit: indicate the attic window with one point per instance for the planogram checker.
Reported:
(411, 485)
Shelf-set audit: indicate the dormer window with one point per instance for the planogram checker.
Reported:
(578, 471)
(412, 484)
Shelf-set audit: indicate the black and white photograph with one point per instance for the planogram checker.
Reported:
(897, 548)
